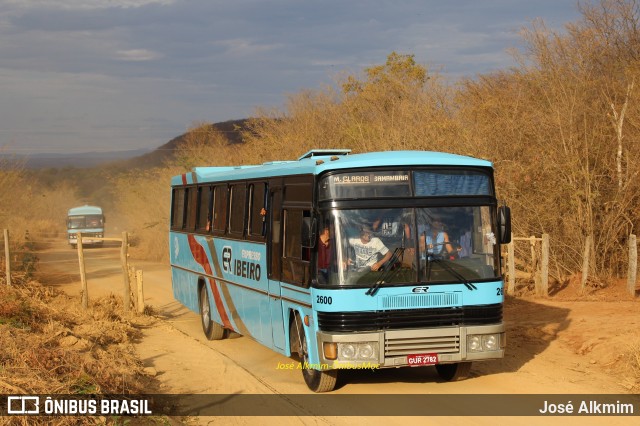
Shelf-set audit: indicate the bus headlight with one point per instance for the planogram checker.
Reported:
(474, 343)
(361, 351)
(346, 351)
(483, 342)
(366, 351)
(490, 342)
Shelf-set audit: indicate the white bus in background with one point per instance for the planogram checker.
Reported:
(89, 220)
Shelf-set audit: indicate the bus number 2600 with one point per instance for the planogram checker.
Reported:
(324, 300)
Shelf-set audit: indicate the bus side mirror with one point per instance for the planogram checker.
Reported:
(309, 234)
(504, 224)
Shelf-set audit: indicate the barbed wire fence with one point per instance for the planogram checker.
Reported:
(520, 270)
(21, 256)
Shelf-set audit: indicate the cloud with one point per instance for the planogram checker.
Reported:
(246, 47)
(77, 72)
(83, 4)
(137, 55)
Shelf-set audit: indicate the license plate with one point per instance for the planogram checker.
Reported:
(422, 359)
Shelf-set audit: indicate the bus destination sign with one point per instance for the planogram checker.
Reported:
(370, 178)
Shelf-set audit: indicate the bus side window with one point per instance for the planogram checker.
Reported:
(257, 210)
(191, 208)
(221, 195)
(205, 199)
(295, 262)
(177, 216)
(237, 209)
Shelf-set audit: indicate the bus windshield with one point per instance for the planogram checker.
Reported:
(408, 245)
(86, 221)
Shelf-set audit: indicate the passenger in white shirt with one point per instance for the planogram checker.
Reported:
(367, 250)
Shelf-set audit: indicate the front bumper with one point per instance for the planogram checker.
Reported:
(449, 343)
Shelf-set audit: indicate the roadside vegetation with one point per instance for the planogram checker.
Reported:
(561, 127)
(51, 346)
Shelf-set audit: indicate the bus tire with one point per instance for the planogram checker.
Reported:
(317, 380)
(453, 372)
(212, 330)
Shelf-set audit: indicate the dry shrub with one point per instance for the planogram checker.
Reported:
(633, 361)
(38, 209)
(394, 106)
(15, 312)
(143, 204)
(51, 347)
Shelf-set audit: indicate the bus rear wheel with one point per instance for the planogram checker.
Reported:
(316, 380)
(212, 330)
(453, 372)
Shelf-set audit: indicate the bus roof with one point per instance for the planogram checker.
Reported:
(317, 162)
(84, 210)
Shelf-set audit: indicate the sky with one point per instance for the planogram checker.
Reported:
(112, 75)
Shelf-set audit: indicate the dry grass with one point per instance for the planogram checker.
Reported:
(52, 346)
(632, 355)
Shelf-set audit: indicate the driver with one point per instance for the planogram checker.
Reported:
(434, 239)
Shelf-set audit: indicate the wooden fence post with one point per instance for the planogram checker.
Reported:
(534, 265)
(633, 265)
(83, 275)
(140, 293)
(7, 256)
(125, 271)
(511, 289)
(585, 262)
(544, 269)
(132, 283)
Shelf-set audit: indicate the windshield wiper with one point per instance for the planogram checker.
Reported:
(388, 271)
(449, 269)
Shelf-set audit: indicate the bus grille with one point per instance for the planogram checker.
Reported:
(399, 346)
(409, 318)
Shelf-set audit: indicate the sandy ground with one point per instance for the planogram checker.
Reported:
(567, 344)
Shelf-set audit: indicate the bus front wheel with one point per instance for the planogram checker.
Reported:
(453, 372)
(318, 380)
(212, 330)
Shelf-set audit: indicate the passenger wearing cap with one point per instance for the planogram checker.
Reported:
(367, 250)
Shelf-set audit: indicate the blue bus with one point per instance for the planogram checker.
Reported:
(89, 220)
(373, 260)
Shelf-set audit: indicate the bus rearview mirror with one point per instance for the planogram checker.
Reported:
(504, 224)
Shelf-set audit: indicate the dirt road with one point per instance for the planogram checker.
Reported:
(563, 345)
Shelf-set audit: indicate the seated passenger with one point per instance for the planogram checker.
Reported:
(465, 245)
(367, 250)
(391, 225)
(324, 255)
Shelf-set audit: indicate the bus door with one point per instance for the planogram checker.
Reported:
(274, 257)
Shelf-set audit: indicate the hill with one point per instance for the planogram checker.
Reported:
(139, 158)
(232, 129)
